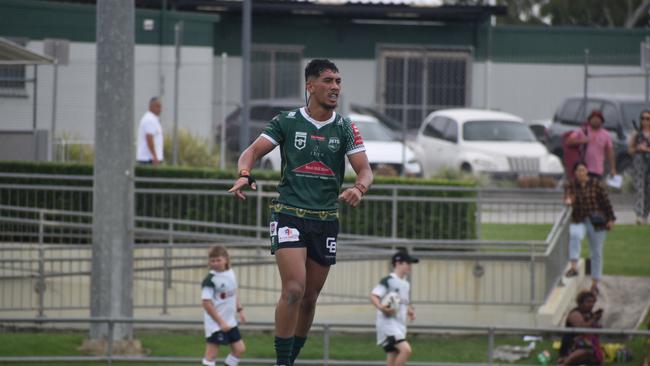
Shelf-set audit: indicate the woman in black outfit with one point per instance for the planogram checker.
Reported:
(582, 349)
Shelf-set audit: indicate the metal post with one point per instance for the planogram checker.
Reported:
(111, 290)
(247, 24)
(393, 224)
(161, 45)
(326, 344)
(54, 96)
(258, 209)
(488, 65)
(178, 42)
(478, 214)
(35, 112)
(490, 346)
(646, 51)
(41, 266)
(647, 87)
(586, 76)
(109, 346)
(532, 276)
(404, 112)
(167, 273)
(222, 143)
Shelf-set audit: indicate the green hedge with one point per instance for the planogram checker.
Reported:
(415, 219)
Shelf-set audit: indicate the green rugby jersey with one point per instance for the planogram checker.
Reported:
(313, 161)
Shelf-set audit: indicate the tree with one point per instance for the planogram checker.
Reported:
(598, 13)
(593, 13)
(519, 11)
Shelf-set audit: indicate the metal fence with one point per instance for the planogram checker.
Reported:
(45, 258)
(382, 212)
(326, 329)
(46, 278)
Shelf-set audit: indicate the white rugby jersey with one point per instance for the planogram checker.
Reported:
(221, 288)
(395, 325)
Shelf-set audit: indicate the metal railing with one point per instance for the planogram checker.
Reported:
(169, 250)
(436, 212)
(171, 260)
(327, 330)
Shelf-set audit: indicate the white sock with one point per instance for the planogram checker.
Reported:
(209, 363)
(231, 360)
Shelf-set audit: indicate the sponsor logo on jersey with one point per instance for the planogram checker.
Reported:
(286, 234)
(316, 153)
(334, 144)
(226, 294)
(300, 140)
(315, 167)
(357, 135)
(317, 138)
(291, 115)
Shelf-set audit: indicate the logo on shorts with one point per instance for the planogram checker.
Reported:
(273, 228)
(300, 140)
(330, 244)
(286, 234)
(334, 144)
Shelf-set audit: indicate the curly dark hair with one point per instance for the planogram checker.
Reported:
(316, 66)
(584, 295)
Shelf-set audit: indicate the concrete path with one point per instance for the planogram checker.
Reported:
(625, 301)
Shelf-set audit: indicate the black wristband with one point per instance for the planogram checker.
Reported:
(250, 179)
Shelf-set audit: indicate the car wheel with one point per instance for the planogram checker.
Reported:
(466, 168)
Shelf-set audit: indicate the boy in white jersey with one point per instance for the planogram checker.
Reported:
(391, 324)
(220, 305)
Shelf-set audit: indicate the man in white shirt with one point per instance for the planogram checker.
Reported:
(150, 135)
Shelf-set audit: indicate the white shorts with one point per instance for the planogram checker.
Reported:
(390, 328)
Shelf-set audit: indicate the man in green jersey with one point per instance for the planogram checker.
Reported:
(314, 141)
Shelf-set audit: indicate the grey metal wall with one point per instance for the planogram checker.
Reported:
(75, 110)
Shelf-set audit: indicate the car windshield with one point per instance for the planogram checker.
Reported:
(631, 112)
(374, 131)
(496, 131)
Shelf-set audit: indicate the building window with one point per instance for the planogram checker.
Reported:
(417, 81)
(276, 71)
(12, 77)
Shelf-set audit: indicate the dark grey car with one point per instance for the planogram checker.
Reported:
(619, 112)
(261, 112)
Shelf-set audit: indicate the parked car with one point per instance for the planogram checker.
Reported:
(482, 141)
(383, 150)
(392, 124)
(540, 128)
(261, 112)
(619, 112)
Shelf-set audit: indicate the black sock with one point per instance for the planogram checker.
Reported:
(298, 342)
(283, 348)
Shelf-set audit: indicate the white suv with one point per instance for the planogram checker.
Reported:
(482, 141)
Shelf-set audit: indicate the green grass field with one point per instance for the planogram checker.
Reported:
(626, 253)
(443, 348)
